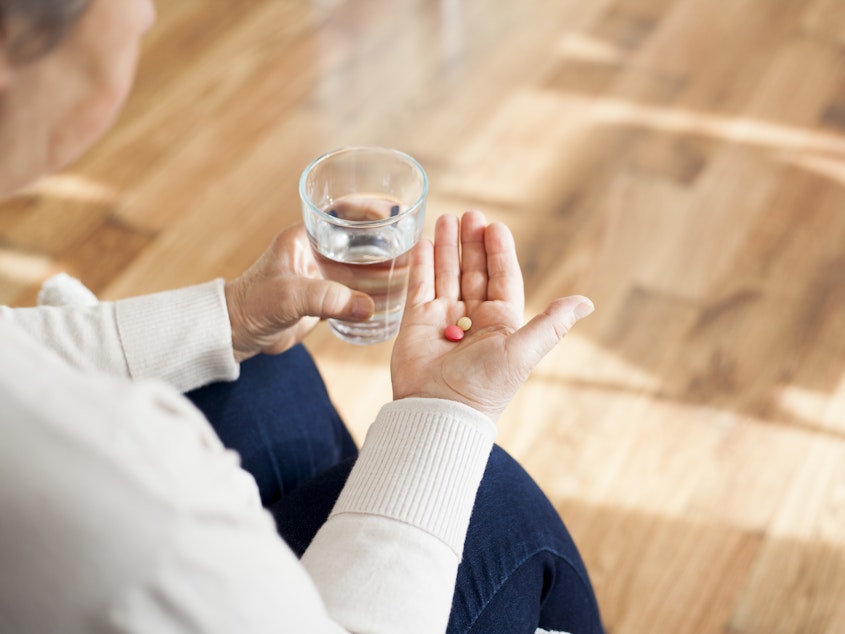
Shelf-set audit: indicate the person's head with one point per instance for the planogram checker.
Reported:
(66, 67)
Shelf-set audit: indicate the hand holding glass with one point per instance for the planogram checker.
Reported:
(364, 209)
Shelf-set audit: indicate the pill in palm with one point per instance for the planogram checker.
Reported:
(465, 323)
(453, 333)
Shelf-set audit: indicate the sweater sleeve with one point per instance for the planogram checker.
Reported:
(386, 560)
(136, 495)
(123, 513)
(182, 336)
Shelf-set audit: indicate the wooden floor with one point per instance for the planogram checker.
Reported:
(682, 162)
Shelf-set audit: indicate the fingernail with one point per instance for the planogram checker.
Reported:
(583, 309)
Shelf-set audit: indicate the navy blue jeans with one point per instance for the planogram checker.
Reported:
(520, 568)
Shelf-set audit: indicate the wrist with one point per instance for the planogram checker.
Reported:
(240, 349)
(453, 399)
(434, 406)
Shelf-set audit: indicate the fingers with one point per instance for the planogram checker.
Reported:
(330, 300)
(473, 257)
(474, 261)
(361, 208)
(504, 275)
(447, 258)
(539, 336)
(421, 275)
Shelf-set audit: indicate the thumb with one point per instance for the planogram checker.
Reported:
(539, 336)
(325, 299)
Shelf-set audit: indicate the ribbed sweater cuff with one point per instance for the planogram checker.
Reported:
(421, 464)
(181, 336)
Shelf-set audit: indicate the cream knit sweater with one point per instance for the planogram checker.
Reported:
(120, 510)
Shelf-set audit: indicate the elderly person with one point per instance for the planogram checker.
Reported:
(123, 510)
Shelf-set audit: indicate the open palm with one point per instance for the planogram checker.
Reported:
(472, 270)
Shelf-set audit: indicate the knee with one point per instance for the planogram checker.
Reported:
(510, 490)
(513, 515)
(519, 552)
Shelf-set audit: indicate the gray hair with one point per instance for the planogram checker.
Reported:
(32, 28)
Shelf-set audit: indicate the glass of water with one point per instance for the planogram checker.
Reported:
(364, 209)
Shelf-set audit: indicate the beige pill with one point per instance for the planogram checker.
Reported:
(464, 323)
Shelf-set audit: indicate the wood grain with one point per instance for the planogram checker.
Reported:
(682, 162)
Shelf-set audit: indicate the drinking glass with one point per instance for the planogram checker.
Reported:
(364, 209)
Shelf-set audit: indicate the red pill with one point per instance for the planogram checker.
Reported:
(453, 333)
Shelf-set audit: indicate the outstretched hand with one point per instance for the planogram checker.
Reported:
(472, 270)
(282, 297)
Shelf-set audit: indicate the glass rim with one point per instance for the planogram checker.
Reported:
(341, 222)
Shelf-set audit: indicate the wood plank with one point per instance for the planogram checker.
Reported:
(682, 162)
